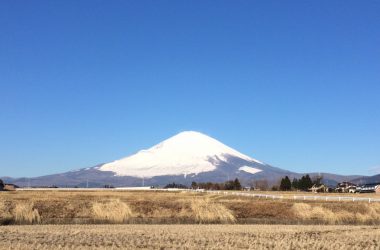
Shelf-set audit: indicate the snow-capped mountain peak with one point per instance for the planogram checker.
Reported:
(186, 153)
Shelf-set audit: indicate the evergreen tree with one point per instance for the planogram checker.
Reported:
(305, 183)
(174, 185)
(194, 185)
(285, 185)
(302, 183)
(1, 184)
(308, 182)
(295, 183)
(237, 185)
(288, 183)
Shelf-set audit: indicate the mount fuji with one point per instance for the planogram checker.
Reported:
(186, 157)
(188, 153)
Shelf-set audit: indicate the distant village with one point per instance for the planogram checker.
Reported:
(348, 187)
(317, 186)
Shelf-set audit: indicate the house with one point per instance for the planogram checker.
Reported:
(10, 187)
(346, 187)
(370, 188)
(7, 187)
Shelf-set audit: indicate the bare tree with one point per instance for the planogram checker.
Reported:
(261, 184)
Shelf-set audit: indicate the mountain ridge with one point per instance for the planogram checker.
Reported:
(183, 158)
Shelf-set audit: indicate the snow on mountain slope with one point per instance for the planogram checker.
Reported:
(250, 170)
(186, 153)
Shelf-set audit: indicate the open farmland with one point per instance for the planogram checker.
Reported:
(189, 237)
(181, 220)
(152, 207)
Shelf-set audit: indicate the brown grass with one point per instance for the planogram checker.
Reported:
(189, 237)
(152, 207)
(369, 213)
(113, 211)
(206, 211)
(25, 213)
(5, 214)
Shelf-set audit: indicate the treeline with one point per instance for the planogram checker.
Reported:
(228, 185)
(303, 184)
(174, 185)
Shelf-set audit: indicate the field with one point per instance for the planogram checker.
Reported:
(152, 207)
(189, 237)
(111, 219)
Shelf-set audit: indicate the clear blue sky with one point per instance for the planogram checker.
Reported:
(295, 84)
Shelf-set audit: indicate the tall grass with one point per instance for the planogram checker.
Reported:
(113, 211)
(25, 213)
(5, 214)
(369, 214)
(206, 211)
(172, 207)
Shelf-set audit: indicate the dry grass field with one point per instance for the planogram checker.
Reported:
(189, 237)
(152, 207)
(181, 220)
